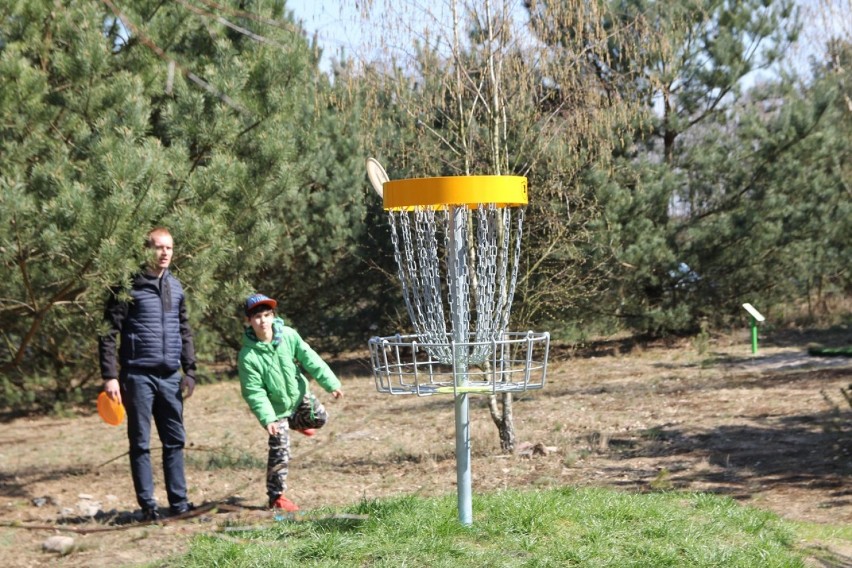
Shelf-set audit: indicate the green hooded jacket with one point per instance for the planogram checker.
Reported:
(270, 381)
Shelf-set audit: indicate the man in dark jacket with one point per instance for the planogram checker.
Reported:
(156, 342)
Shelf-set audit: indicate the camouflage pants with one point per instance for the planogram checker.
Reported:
(309, 414)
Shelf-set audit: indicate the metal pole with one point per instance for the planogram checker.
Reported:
(457, 260)
(463, 475)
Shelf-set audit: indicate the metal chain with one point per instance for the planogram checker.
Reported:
(495, 268)
(486, 275)
(434, 328)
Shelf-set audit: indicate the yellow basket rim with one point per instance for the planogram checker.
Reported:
(448, 191)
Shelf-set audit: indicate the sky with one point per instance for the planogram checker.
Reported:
(344, 25)
(340, 26)
(337, 28)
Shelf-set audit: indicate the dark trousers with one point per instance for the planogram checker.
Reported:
(158, 395)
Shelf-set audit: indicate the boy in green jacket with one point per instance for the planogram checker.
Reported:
(277, 392)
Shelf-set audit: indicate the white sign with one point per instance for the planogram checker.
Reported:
(754, 313)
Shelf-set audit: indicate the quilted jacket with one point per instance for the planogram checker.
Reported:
(154, 328)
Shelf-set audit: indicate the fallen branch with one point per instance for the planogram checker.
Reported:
(215, 507)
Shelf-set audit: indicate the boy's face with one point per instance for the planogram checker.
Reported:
(261, 323)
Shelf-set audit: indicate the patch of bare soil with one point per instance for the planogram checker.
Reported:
(771, 430)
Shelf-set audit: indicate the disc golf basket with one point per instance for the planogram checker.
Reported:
(457, 243)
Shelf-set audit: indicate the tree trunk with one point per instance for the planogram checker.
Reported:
(504, 421)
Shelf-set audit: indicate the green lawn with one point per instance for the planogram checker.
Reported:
(559, 528)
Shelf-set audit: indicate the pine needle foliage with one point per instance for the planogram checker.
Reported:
(211, 119)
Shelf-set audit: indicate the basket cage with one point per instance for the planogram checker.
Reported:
(517, 362)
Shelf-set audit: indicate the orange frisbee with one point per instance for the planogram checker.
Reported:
(110, 411)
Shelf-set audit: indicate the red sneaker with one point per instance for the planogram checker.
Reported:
(284, 504)
(308, 432)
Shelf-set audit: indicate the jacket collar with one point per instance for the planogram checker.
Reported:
(250, 337)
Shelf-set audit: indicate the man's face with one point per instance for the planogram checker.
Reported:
(160, 252)
(261, 323)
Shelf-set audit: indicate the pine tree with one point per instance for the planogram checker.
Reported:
(685, 62)
(780, 234)
(203, 118)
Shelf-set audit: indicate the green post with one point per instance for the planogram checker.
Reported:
(753, 335)
(756, 316)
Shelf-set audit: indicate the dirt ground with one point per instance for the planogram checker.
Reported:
(771, 430)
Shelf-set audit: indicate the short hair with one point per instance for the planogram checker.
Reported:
(156, 232)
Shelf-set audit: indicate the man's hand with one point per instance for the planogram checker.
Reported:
(187, 385)
(112, 390)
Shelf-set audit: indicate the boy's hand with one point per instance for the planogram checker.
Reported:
(272, 428)
(337, 394)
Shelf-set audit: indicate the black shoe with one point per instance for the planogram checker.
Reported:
(150, 514)
(176, 510)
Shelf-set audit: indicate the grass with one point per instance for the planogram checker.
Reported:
(830, 351)
(542, 528)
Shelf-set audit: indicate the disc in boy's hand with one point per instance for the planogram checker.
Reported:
(110, 411)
